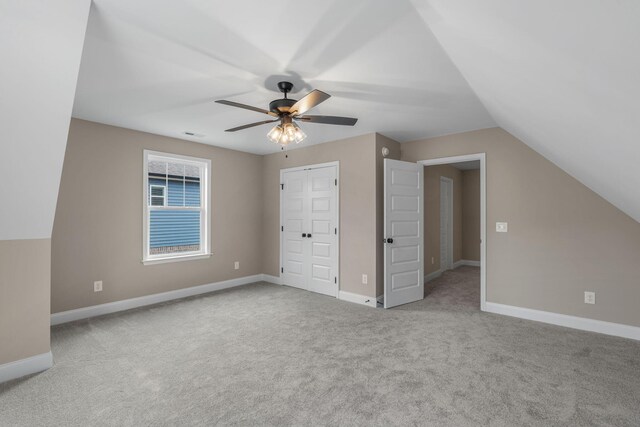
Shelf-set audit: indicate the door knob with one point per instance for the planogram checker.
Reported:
(304, 234)
(389, 240)
(309, 235)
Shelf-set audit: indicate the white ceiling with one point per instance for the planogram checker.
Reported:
(564, 77)
(463, 166)
(467, 166)
(40, 47)
(157, 66)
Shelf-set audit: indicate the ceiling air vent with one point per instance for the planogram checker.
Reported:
(197, 135)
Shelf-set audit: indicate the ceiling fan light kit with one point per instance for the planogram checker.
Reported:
(287, 111)
(286, 133)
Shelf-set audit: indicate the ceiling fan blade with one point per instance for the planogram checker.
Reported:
(246, 107)
(329, 120)
(250, 125)
(312, 99)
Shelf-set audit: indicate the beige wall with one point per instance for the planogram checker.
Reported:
(432, 176)
(357, 207)
(471, 215)
(394, 153)
(25, 270)
(97, 233)
(563, 238)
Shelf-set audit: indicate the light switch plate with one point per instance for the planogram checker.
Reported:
(97, 286)
(502, 227)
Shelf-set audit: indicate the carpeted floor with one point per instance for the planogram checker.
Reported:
(270, 355)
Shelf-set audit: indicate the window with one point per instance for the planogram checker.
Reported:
(176, 205)
(157, 195)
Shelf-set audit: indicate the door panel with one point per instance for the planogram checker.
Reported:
(405, 229)
(321, 250)
(403, 222)
(295, 212)
(322, 225)
(405, 254)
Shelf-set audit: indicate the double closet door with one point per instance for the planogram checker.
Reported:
(309, 207)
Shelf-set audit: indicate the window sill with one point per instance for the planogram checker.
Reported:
(175, 259)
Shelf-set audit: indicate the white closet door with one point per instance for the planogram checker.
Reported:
(403, 219)
(295, 208)
(321, 229)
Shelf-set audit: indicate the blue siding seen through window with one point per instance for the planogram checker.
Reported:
(175, 228)
(192, 193)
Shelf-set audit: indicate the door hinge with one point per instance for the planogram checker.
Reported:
(282, 186)
(336, 230)
(336, 182)
(282, 228)
(281, 270)
(335, 280)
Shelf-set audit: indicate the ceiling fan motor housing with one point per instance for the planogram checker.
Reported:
(279, 106)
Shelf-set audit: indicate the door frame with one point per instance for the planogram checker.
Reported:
(483, 212)
(449, 182)
(308, 167)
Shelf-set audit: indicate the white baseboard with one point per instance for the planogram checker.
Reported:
(127, 304)
(22, 367)
(431, 276)
(468, 262)
(582, 323)
(271, 279)
(358, 299)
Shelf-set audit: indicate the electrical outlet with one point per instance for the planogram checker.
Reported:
(364, 279)
(502, 227)
(433, 260)
(589, 297)
(236, 265)
(97, 286)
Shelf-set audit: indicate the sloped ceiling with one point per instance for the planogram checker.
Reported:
(564, 77)
(40, 47)
(157, 66)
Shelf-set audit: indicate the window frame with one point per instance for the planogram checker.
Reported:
(205, 217)
(151, 196)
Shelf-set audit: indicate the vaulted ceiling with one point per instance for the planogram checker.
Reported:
(158, 66)
(564, 77)
(40, 47)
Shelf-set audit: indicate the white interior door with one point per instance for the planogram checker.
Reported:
(403, 230)
(446, 223)
(309, 229)
(295, 212)
(322, 230)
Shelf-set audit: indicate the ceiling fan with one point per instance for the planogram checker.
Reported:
(287, 112)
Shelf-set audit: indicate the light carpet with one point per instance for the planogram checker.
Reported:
(270, 355)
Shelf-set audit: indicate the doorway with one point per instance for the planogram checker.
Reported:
(447, 246)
